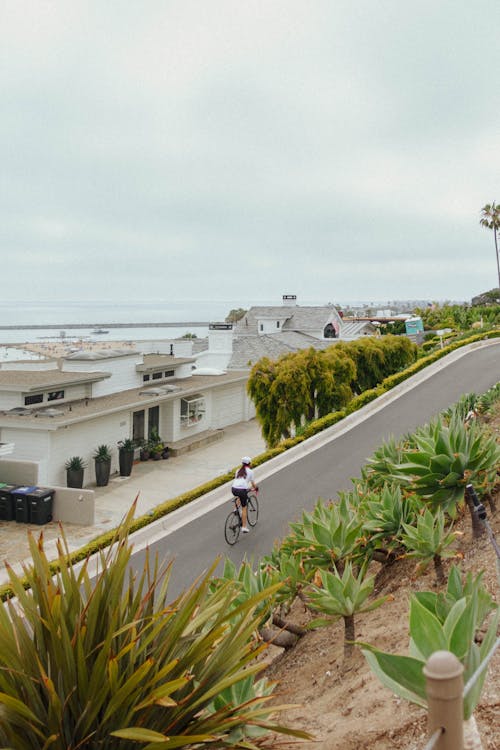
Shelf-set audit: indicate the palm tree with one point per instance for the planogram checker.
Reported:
(490, 218)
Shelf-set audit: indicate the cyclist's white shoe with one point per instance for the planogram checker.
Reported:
(245, 529)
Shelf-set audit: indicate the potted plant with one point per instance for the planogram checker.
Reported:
(157, 451)
(75, 467)
(126, 456)
(145, 447)
(102, 459)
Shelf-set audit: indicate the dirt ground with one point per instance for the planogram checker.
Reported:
(350, 709)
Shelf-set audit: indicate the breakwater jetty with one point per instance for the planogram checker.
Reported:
(76, 326)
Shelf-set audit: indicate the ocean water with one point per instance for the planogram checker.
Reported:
(101, 315)
(62, 314)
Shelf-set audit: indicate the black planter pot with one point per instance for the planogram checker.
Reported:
(74, 478)
(126, 459)
(102, 472)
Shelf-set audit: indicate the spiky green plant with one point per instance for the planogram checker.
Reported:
(429, 540)
(249, 583)
(291, 571)
(343, 596)
(454, 631)
(465, 404)
(488, 399)
(327, 537)
(384, 513)
(108, 662)
(441, 603)
(376, 471)
(444, 460)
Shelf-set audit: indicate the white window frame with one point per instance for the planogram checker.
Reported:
(192, 410)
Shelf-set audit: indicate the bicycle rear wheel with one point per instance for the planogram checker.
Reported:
(252, 509)
(232, 527)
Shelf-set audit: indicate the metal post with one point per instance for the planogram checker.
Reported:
(444, 680)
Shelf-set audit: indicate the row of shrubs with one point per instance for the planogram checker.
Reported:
(301, 386)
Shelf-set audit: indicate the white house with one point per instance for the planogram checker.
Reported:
(56, 409)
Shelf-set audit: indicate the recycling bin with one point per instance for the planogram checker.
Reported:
(6, 501)
(21, 503)
(40, 502)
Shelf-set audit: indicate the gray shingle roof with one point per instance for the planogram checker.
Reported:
(297, 318)
(249, 349)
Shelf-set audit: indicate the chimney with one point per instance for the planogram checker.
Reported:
(289, 299)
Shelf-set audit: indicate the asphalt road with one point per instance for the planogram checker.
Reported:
(321, 473)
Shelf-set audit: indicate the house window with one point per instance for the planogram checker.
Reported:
(192, 410)
(37, 398)
(145, 378)
(138, 425)
(157, 375)
(261, 326)
(329, 332)
(153, 420)
(277, 324)
(169, 373)
(55, 395)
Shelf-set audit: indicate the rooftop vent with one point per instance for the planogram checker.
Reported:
(50, 412)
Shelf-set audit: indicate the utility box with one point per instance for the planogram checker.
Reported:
(7, 512)
(40, 503)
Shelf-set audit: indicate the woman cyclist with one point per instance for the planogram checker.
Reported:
(242, 482)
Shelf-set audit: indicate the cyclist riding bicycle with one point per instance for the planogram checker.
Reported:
(242, 482)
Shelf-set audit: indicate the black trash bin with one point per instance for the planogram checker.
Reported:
(7, 512)
(21, 503)
(40, 505)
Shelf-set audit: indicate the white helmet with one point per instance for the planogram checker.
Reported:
(246, 460)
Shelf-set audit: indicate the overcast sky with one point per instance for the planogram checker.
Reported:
(207, 149)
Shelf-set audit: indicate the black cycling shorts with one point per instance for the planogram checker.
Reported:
(242, 494)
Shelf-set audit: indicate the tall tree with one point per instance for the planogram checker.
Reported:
(490, 218)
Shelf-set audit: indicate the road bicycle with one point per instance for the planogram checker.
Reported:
(233, 524)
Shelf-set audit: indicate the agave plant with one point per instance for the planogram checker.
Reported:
(451, 630)
(462, 408)
(444, 460)
(440, 603)
(488, 399)
(384, 513)
(327, 537)
(429, 540)
(109, 662)
(249, 583)
(379, 466)
(291, 571)
(343, 596)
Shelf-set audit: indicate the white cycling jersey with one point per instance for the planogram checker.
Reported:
(243, 483)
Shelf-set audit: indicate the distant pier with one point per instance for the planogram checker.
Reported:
(62, 326)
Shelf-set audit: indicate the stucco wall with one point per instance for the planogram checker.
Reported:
(81, 440)
(228, 405)
(10, 399)
(124, 375)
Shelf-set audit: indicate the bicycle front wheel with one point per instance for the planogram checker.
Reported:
(232, 527)
(252, 509)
